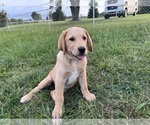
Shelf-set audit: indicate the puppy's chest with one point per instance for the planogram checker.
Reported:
(72, 78)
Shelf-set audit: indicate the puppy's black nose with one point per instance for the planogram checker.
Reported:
(81, 49)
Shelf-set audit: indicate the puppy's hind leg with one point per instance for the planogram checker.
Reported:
(45, 82)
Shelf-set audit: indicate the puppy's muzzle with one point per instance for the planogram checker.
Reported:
(81, 53)
(81, 49)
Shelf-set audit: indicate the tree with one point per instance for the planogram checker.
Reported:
(58, 14)
(20, 21)
(36, 16)
(13, 20)
(3, 18)
(90, 13)
(75, 8)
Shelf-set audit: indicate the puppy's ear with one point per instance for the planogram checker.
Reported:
(61, 42)
(89, 42)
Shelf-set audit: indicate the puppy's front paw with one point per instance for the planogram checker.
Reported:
(90, 97)
(56, 114)
(26, 98)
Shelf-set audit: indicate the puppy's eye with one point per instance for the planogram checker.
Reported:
(84, 38)
(72, 39)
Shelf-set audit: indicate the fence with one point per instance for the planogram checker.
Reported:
(43, 10)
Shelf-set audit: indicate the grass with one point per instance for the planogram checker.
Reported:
(118, 69)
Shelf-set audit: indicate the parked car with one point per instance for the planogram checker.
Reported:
(120, 8)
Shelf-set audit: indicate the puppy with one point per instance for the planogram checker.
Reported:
(70, 67)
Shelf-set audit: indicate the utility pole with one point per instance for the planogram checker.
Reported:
(51, 7)
(93, 12)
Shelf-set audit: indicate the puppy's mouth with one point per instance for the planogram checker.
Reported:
(79, 56)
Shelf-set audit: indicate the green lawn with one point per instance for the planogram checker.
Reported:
(118, 69)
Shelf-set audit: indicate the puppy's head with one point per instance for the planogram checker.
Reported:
(75, 41)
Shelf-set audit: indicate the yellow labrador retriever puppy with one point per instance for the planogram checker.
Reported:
(70, 67)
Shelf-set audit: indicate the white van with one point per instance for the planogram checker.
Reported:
(120, 8)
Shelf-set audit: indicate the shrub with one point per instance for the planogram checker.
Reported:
(3, 19)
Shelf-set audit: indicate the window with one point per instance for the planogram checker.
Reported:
(112, 1)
